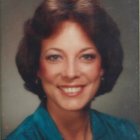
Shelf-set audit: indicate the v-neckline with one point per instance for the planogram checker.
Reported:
(50, 131)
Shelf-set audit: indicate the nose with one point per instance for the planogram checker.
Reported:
(71, 70)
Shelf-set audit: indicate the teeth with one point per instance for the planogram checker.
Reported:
(71, 90)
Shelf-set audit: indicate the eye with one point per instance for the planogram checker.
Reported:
(53, 57)
(88, 57)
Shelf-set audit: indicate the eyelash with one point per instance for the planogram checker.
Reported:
(89, 57)
(56, 58)
(53, 57)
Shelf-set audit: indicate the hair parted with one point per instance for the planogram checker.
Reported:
(93, 19)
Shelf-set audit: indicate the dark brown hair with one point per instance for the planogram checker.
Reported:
(98, 25)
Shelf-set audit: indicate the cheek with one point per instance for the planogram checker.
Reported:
(45, 73)
(93, 71)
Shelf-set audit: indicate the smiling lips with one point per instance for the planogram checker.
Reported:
(71, 91)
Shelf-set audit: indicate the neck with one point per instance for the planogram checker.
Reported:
(70, 123)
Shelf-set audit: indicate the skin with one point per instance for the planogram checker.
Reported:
(70, 71)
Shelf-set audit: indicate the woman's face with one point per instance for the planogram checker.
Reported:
(70, 68)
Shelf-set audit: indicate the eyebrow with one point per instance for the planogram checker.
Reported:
(57, 49)
(85, 49)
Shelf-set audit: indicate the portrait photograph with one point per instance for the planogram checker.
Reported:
(69, 70)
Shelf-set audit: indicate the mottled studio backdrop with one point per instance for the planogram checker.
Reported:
(17, 103)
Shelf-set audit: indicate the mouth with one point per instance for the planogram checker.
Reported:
(71, 91)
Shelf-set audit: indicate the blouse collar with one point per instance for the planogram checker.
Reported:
(49, 130)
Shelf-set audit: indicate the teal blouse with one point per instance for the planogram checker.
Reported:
(40, 126)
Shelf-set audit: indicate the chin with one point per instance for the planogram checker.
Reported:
(75, 106)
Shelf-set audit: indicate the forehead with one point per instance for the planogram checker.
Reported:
(69, 35)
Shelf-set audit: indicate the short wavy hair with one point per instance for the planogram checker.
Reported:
(93, 19)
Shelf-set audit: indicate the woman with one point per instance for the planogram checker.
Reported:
(70, 54)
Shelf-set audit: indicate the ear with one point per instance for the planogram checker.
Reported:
(102, 72)
(38, 74)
